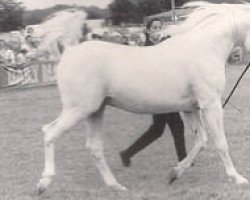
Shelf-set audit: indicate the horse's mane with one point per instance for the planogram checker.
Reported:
(205, 13)
(62, 25)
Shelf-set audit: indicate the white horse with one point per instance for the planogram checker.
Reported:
(185, 73)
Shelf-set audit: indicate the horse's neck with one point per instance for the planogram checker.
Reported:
(222, 44)
(217, 43)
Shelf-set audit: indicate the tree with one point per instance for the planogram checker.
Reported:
(136, 10)
(10, 15)
(96, 13)
(123, 11)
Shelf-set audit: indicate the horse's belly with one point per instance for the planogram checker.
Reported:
(153, 91)
(148, 108)
(148, 103)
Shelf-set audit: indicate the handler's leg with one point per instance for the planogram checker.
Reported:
(154, 132)
(177, 130)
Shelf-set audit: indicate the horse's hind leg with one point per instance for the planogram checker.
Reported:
(67, 119)
(195, 124)
(213, 116)
(95, 144)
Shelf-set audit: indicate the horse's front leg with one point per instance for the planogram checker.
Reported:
(49, 168)
(51, 132)
(213, 116)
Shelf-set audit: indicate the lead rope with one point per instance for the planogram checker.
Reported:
(236, 85)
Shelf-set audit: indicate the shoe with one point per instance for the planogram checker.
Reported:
(125, 160)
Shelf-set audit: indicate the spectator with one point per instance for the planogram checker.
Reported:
(30, 42)
(2, 44)
(140, 39)
(22, 63)
(7, 55)
(153, 32)
(123, 31)
(29, 31)
(21, 60)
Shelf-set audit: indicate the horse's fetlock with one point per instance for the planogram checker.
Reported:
(48, 174)
(97, 154)
(222, 147)
(48, 140)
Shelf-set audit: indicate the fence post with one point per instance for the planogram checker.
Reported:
(39, 72)
(3, 77)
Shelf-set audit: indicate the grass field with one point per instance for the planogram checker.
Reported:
(24, 111)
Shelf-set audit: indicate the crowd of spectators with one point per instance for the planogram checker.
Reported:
(14, 53)
(133, 36)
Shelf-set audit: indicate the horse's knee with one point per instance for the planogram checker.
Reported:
(46, 128)
(97, 154)
(203, 144)
(221, 146)
(49, 137)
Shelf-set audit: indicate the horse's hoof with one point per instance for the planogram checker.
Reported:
(238, 179)
(119, 187)
(241, 180)
(174, 175)
(40, 189)
(43, 185)
(125, 160)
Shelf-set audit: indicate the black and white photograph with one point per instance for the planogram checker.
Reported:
(124, 99)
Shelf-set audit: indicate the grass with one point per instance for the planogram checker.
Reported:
(21, 162)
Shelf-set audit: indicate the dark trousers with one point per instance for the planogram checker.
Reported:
(156, 130)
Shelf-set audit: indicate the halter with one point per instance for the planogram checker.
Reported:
(236, 85)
